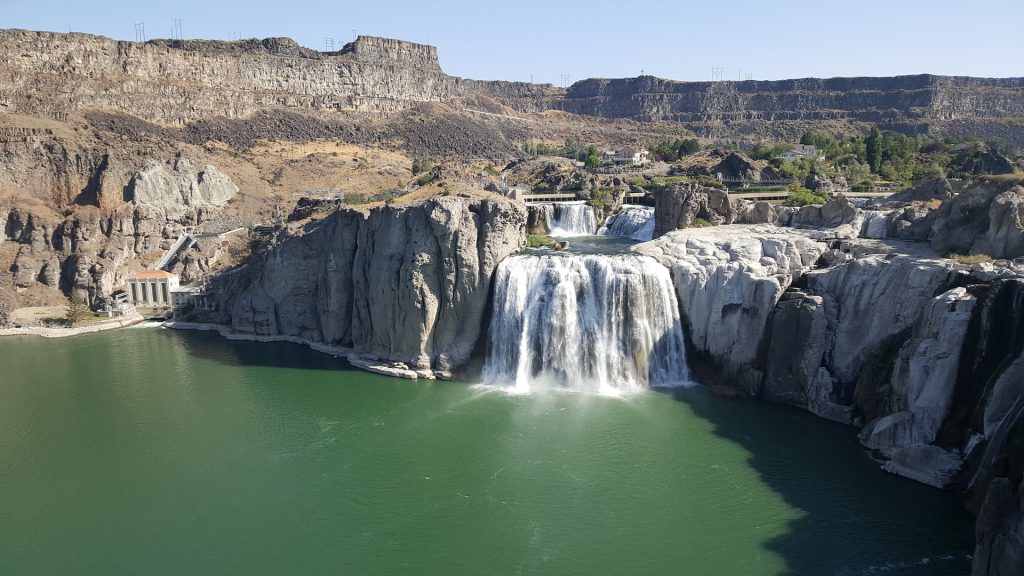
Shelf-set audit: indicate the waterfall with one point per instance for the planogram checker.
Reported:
(596, 323)
(570, 219)
(631, 221)
(876, 224)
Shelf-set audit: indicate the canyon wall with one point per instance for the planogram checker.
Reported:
(177, 81)
(919, 103)
(405, 284)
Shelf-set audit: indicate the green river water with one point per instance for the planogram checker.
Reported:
(150, 451)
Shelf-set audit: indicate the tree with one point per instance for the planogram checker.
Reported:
(76, 306)
(873, 144)
(593, 161)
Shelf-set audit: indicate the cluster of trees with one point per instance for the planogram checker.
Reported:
(666, 151)
(672, 150)
(882, 155)
(898, 157)
(572, 148)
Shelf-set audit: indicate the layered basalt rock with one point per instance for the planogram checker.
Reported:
(404, 284)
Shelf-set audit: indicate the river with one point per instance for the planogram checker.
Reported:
(150, 451)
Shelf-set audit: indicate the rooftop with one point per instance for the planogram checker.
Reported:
(152, 275)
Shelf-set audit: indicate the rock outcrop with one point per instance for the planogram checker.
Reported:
(180, 186)
(873, 334)
(682, 205)
(404, 284)
(987, 218)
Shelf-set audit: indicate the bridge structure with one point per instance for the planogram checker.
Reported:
(760, 196)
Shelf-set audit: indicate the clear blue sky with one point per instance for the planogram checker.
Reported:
(680, 40)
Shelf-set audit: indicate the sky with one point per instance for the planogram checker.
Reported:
(549, 41)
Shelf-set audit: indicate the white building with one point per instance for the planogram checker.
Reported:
(152, 288)
(801, 151)
(197, 296)
(631, 156)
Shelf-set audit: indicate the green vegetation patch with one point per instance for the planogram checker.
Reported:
(801, 196)
(969, 260)
(539, 241)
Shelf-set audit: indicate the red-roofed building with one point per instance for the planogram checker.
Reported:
(152, 288)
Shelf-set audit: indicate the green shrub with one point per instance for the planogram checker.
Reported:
(425, 179)
(700, 223)
(538, 241)
(420, 166)
(801, 196)
(491, 170)
(601, 198)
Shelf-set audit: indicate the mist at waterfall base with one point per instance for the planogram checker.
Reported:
(149, 451)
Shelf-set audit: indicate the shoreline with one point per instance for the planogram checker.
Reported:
(47, 332)
(349, 355)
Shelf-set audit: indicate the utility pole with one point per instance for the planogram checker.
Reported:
(329, 44)
(140, 31)
(354, 35)
(176, 29)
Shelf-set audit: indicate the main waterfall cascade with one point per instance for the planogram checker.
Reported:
(566, 219)
(630, 221)
(607, 324)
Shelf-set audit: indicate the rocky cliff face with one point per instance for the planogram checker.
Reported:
(92, 250)
(177, 81)
(924, 355)
(405, 284)
(905, 102)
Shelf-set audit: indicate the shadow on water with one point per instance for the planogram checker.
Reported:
(856, 518)
(210, 346)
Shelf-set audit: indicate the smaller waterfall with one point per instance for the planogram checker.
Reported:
(570, 219)
(630, 221)
(593, 323)
(876, 224)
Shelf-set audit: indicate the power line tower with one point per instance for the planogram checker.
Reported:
(564, 80)
(140, 31)
(329, 44)
(354, 35)
(176, 29)
(748, 76)
(716, 73)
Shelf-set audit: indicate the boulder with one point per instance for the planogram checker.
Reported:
(986, 218)
(935, 189)
(832, 185)
(683, 204)
(748, 212)
(836, 212)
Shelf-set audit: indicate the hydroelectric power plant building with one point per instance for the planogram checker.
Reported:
(152, 288)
